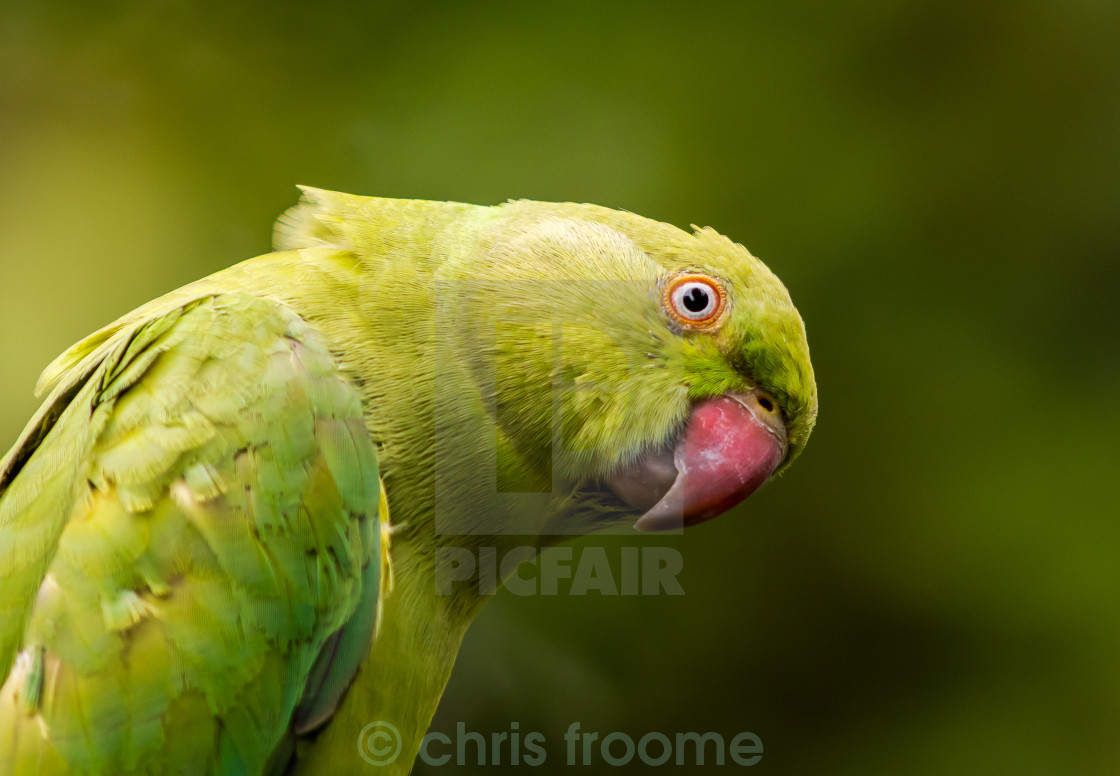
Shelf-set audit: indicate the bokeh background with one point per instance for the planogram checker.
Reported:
(935, 586)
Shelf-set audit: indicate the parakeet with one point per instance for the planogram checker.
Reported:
(221, 535)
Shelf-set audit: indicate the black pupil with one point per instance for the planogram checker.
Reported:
(695, 300)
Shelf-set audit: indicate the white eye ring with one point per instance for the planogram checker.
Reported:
(695, 300)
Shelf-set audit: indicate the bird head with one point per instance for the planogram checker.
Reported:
(661, 373)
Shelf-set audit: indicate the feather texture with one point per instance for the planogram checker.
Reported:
(198, 521)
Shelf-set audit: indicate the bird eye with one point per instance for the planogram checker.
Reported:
(694, 301)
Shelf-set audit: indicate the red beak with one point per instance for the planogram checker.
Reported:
(730, 446)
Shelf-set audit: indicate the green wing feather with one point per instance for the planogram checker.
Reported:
(183, 527)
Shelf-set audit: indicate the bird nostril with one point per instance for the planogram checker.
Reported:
(766, 403)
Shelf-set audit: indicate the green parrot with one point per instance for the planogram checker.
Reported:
(224, 536)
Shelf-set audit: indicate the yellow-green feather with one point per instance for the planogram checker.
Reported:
(180, 543)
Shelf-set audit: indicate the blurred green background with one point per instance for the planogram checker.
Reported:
(935, 587)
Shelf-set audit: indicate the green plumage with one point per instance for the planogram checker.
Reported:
(180, 544)
(191, 569)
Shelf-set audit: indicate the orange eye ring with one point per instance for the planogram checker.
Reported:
(694, 301)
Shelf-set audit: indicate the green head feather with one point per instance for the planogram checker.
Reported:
(539, 329)
(568, 301)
